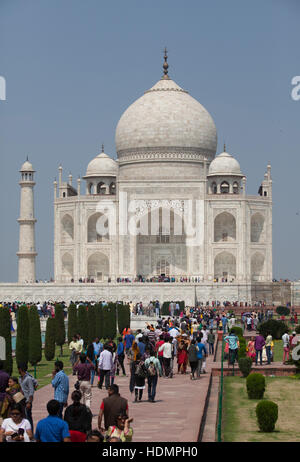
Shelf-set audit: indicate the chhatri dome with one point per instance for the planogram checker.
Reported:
(166, 117)
(224, 164)
(101, 165)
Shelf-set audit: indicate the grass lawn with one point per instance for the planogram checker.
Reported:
(44, 368)
(239, 422)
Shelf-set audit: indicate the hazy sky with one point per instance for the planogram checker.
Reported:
(72, 67)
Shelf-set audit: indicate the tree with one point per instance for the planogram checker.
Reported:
(22, 343)
(123, 312)
(60, 331)
(99, 320)
(82, 323)
(49, 349)
(5, 332)
(72, 321)
(109, 321)
(91, 323)
(35, 340)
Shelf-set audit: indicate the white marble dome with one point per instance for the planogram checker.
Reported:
(224, 164)
(27, 167)
(102, 165)
(166, 117)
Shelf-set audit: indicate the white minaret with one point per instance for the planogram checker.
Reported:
(27, 221)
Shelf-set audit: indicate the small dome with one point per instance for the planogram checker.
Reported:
(224, 164)
(27, 167)
(164, 118)
(102, 165)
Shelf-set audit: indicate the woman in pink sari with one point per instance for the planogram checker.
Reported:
(251, 349)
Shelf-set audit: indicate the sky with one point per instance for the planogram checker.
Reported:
(71, 69)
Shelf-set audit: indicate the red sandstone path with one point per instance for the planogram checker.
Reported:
(174, 417)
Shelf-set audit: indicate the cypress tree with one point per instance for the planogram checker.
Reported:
(49, 349)
(22, 343)
(99, 320)
(109, 321)
(91, 323)
(123, 312)
(72, 321)
(5, 332)
(82, 323)
(35, 341)
(60, 331)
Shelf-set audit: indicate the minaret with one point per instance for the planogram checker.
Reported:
(27, 221)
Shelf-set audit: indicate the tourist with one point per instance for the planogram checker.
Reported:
(158, 344)
(105, 365)
(79, 418)
(52, 429)
(91, 356)
(201, 353)
(268, 346)
(4, 377)
(27, 384)
(286, 347)
(193, 358)
(182, 357)
(233, 344)
(138, 376)
(121, 356)
(76, 348)
(83, 370)
(258, 345)
(154, 370)
(128, 339)
(251, 349)
(111, 407)
(98, 347)
(60, 383)
(16, 428)
(114, 367)
(13, 394)
(94, 436)
(211, 341)
(167, 349)
(121, 430)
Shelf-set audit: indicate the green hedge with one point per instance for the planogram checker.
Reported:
(282, 310)
(35, 340)
(49, 350)
(91, 323)
(256, 385)
(245, 365)
(22, 342)
(99, 320)
(109, 321)
(6, 333)
(273, 327)
(267, 415)
(123, 312)
(82, 323)
(72, 322)
(60, 332)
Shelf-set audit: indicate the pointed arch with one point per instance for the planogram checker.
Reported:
(224, 227)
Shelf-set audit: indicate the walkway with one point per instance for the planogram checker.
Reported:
(174, 417)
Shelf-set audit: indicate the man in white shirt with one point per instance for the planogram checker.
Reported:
(174, 332)
(167, 349)
(105, 364)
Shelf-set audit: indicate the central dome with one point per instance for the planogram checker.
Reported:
(166, 121)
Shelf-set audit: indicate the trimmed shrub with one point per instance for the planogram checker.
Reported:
(273, 327)
(35, 340)
(49, 349)
(245, 365)
(82, 323)
(91, 323)
(22, 343)
(242, 353)
(60, 331)
(267, 415)
(99, 320)
(5, 332)
(237, 330)
(123, 312)
(72, 322)
(256, 385)
(109, 321)
(297, 329)
(282, 310)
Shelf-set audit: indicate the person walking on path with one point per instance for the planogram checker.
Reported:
(138, 377)
(52, 429)
(258, 345)
(268, 346)
(111, 407)
(27, 384)
(286, 347)
(79, 418)
(121, 356)
(60, 383)
(154, 370)
(76, 348)
(211, 341)
(167, 349)
(105, 365)
(233, 346)
(83, 370)
(193, 358)
(201, 353)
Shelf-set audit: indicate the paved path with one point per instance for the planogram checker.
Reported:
(174, 417)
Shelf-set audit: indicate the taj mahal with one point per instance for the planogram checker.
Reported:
(170, 218)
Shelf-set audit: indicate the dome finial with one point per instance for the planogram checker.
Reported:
(165, 65)
(102, 148)
(224, 147)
